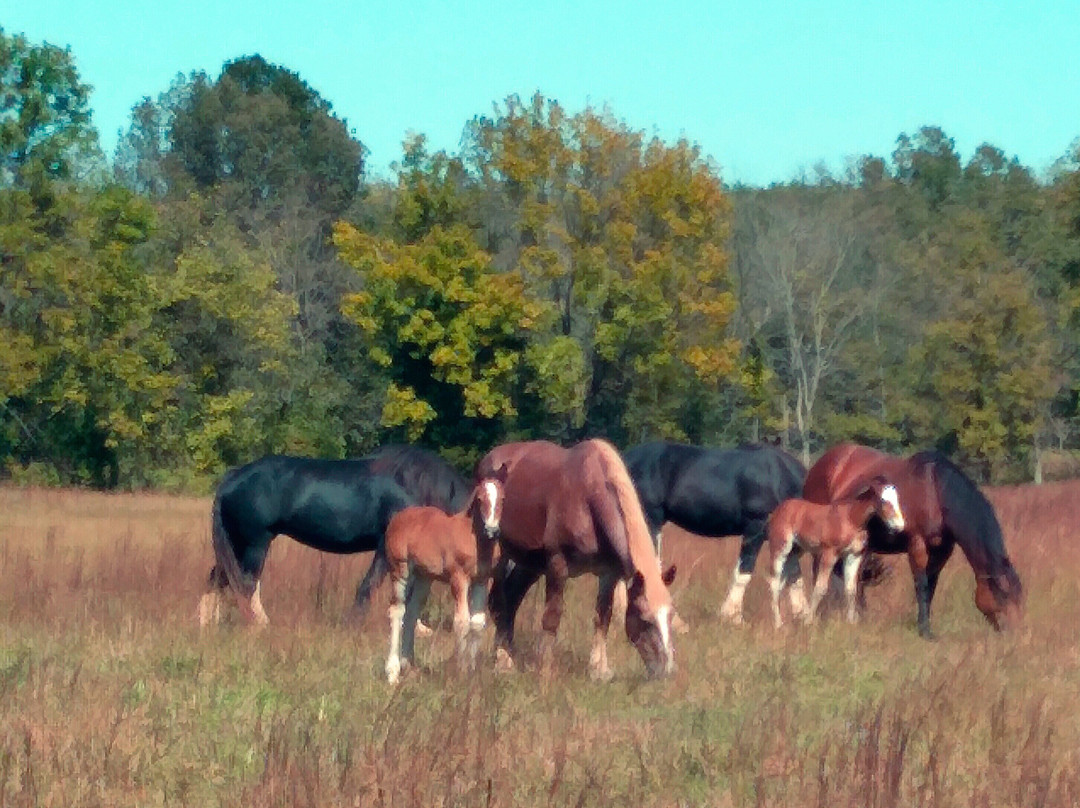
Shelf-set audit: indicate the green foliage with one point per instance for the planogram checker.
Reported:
(564, 275)
(261, 132)
(45, 130)
(444, 325)
(981, 375)
(622, 243)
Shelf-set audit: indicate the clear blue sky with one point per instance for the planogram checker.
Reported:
(766, 88)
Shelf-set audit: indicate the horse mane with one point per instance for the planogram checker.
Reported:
(639, 542)
(427, 477)
(969, 518)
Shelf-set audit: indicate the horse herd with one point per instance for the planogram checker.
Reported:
(536, 509)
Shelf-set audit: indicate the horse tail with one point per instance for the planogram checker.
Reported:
(394, 499)
(224, 552)
(372, 578)
(639, 542)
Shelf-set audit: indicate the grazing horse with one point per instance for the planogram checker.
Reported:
(942, 508)
(339, 506)
(567, 512)
(828, 532)
(718, 492)
(423, 544)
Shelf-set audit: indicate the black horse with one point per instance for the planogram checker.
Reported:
(718, 492)
(337, 506)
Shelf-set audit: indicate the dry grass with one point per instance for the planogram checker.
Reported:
(109, 695)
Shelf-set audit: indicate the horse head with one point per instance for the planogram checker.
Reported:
(487, 500)
(886, 502)
(648, 621)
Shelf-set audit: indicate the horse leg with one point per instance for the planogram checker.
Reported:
(459, 590)
(477, 598)
(779, 549)
(396, 613)
(510, 585)
(210, 602)
(372, 578)
(919, 559)
(554, 586)
(821, 582)
(599, 670)
(732, 610)
(251, 563)
(794, 582)
(414, 602)
(852, 562)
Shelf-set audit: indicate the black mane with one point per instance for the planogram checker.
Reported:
(969, 518)
(427, 477)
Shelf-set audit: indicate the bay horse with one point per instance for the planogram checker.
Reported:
(719, 492)
(567, 512)
(338, 506)
(828, 532)
(942, 508)
(424, 544)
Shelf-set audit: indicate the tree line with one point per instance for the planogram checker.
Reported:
(230, 284)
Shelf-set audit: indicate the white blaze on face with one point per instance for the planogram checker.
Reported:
(896, 517)
(492, 490)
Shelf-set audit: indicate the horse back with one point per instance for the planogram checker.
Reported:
(720, 492)
(437, 543)
(332, 505)
(535, 482)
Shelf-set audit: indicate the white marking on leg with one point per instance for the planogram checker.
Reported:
(732, 608)
(257, 610)
(851, 581)
(800, 608)
(777, 581)
(396, 614)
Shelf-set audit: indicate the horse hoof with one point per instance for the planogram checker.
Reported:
(423, 629)
(678, 625)
(504, 663)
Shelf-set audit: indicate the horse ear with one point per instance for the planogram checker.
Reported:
(502, 472)
(669, 575)
(637, 583)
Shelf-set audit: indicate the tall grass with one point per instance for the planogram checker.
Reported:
(109, 695)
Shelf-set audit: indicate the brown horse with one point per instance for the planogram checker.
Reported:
(942, 508)
(459, 549)
(828, 532)
(567, 512)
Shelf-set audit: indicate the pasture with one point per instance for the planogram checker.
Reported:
(110, 696)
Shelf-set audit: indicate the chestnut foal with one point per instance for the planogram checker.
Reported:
(458, 549)
(827, 532)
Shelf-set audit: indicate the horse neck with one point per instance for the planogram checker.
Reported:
(860, 511)
(639, 543)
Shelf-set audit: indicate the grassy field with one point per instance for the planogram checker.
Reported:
(109, 695)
